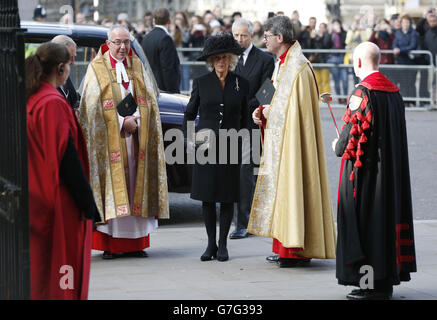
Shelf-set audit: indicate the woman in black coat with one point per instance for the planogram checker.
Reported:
(220, 98)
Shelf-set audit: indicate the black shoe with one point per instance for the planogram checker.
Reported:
(136, 254)
(291, 263)
(273, 258)
(222, 254)
(107, 255)
(209, 254)
(369, 295)
(239, 234)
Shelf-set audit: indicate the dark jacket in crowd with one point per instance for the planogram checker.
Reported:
(69, 93)
(406, 42)
(430, 42)
(163, 58)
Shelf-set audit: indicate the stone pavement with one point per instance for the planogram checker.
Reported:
(173, 271)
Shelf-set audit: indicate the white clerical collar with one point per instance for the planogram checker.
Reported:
(163, 28)
(120, 70)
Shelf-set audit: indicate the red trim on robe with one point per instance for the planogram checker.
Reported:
(104, 242)
(376, 81)
(287, 253)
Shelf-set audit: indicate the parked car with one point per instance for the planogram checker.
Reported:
(89, 38)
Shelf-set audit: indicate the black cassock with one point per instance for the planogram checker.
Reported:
(218, 110)
(375, 220)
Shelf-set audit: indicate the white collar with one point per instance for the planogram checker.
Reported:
(246, 52)
(120, 70)
(163, 28)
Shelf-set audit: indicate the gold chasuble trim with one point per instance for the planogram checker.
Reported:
(143, 205)
(292, 201)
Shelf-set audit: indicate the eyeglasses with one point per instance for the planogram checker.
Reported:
(118, 42)
(267, 36)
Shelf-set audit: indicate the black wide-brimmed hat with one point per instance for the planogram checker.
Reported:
(220, 44)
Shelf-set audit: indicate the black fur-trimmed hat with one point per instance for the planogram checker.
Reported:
(220, 44)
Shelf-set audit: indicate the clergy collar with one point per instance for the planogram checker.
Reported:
(114, 61)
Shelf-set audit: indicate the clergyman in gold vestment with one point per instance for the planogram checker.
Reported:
(127, 164)
(292, 202)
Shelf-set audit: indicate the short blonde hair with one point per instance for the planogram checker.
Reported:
(232, 64)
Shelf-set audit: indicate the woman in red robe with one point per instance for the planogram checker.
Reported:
(61, 205)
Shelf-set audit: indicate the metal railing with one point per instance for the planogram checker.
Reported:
(420, 77)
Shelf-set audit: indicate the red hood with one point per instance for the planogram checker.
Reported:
(376, 81)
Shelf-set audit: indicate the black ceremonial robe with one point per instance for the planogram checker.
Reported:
(375, 223)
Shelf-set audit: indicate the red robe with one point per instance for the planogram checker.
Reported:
(103, 241)
(277, 247)
(60, 238)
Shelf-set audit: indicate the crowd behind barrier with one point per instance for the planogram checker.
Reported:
(408, 47)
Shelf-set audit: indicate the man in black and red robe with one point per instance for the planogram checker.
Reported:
(375, 247)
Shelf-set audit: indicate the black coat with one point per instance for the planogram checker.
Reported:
(375, 219)
(259, 66)
(69, 92)
(163, 58)
(215, 182)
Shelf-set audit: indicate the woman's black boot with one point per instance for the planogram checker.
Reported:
(226, 215)
(209, 216)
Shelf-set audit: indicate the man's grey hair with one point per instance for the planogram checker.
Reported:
(280, 25)
(117, 26)
(64, 40)
(232, 65)
(243, 22)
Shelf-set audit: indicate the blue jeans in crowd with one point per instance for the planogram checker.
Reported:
(339, 75)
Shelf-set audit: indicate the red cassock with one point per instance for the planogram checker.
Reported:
(277, 247)
(60, 238)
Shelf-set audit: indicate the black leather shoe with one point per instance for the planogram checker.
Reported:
(291, 263)
(369, 295)
(239, 234)
(136, 254)
(108, 255)
(273, 258)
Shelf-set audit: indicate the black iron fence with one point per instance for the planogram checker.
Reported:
(14, 225)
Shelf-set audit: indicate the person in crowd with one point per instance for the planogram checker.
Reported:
(236, 15)
(220, 98)
(422, 27)
(339, 74)
(148, 21)
(359, 32)
(292, 202)
(430, 42)
(297, 25)
(308, 35)
(322, 40)
(161, 53)
(68, 90)
(255, 66)
(258, 35)
(181, 38)
(383, 37)
(39, 13)
(395, 22)
(120, 118)
(375, 218)
(61, 203)
(406, 39)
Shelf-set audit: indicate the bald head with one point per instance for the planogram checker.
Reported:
(366, 58)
